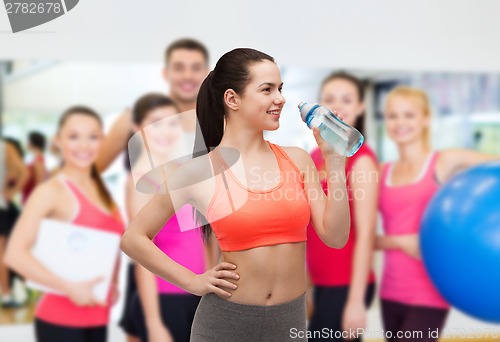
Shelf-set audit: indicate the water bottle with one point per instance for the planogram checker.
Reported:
(345, 139)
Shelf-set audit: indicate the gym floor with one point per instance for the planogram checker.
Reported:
(15, 326)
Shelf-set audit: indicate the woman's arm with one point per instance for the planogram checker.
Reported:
(146, 282)
(364, 186)
(329, 215)
(147, 217)
(16, 170)
(386, 242)
(407, 243)
(18, 255)
(137, 243)
(39, 171)
(116, 141)
(453, 161)
(150, 301)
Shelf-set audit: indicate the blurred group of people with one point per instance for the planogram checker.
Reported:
(19, 178)
(342, 283)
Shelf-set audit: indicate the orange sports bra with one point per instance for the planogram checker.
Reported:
(243, 218)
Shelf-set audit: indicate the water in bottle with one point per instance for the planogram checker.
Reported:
(345, 139)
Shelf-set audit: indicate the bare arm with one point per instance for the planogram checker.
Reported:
(407, 243)
(137, 243)
(116, 141)
(329, 215)
(18, 255)
(39, 170)
(146, 282)
(364, 184)
(453, 161)
(16, 170)
(147, 221)
(386, 242)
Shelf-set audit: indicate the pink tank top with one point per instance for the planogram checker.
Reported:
(186, 248)
(404, 278)
(60, 310)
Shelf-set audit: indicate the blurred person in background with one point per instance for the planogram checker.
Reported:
(162, 311)
(36, 168)
(76, 195)
(13, 176)
(186, 66)
(343, 279)
(410, 302)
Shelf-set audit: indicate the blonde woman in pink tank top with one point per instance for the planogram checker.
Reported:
(410, 303)
(76, 194)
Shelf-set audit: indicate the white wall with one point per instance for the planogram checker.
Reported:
(105, 86)
(383, 34)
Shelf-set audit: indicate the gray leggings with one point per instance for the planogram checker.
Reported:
(219, 320)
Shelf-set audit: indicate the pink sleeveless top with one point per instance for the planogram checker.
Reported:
(60, 310)
(404, 278)
(185, 248)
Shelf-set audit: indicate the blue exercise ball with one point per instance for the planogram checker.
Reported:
(460, 241)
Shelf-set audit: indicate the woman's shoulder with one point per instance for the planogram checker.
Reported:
(366, 151)
(294, 151)
(195, 170)
(47, 192)
(53, 184)
(384, 166)
(297, 155)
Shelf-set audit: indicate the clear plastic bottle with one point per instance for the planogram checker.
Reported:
(344, 138)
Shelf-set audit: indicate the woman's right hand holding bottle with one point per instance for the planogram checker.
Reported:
(214, 280)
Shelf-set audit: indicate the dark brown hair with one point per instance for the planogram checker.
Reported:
(142, 107)
(186, 44)
(360, 88)
(103, 191)
(231, 72)
(146, 103)
(37, 140)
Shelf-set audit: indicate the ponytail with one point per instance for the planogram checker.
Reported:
(210, 113)
(230, 72)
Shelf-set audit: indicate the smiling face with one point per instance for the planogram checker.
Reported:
(79, 139)
(261, 103)
(185, 71)
(342, 95)
(163, 129)
(406, 119)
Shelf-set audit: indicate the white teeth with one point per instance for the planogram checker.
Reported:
(274, 112)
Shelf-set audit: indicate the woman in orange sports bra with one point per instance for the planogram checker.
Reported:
(258, 203)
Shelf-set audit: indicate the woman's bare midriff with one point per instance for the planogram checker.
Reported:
(269, 275)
